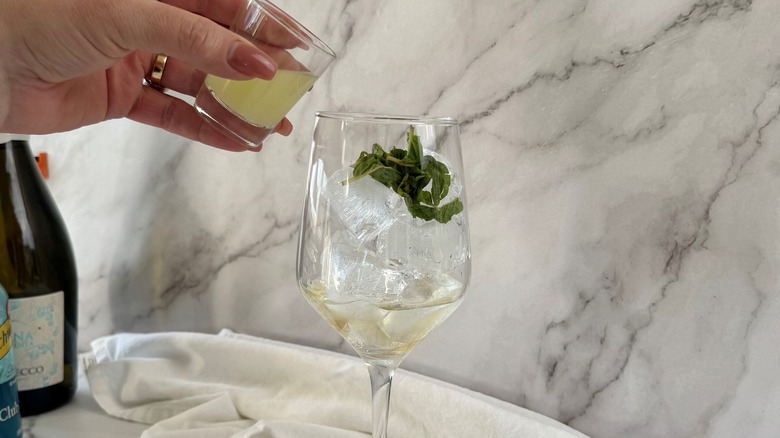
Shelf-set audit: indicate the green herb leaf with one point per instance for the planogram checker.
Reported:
(414, 156)
(378, 152)
(362, 167)
(423, 212)
(387, 176)
(444, 213)
(409, 173)
(440, 176)
(425, 197)
(398, 154)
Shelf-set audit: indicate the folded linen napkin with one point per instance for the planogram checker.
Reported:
(230, 385)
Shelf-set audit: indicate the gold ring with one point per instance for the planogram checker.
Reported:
(155, 76)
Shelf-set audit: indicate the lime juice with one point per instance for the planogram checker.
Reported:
(260, 102)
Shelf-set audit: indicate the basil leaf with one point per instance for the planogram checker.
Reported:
(444, 213)
(378, 152)
(440, 176)
(425, 197)
(363, 165)
(398, 154)
(387, 176)
(423, 212)
(409, 173)
(414, 156)
(421, 179)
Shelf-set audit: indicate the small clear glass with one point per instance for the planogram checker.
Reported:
(382, 277)
(248, 111)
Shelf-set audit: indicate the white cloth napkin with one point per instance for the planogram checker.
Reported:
(230, 385)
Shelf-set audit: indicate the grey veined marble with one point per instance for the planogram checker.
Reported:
(623, 167)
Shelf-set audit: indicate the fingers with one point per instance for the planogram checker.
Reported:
(175, 116)
(160, 110)
(276, 34)
(181, 77)
(221, 11)
(274, 31)
(284, 127)
(283, 58)
(270, 31)
(161, 28)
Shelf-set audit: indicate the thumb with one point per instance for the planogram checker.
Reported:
(160, 28)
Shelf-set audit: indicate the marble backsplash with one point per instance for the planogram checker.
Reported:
(623, 167)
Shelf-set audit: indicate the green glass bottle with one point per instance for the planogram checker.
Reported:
(38, 270)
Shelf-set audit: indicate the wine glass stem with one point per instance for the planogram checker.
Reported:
(381, 380)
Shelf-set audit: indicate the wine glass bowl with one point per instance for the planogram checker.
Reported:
(384, 253)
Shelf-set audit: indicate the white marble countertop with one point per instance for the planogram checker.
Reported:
(81, 418)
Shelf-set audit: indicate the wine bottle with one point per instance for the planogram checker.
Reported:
(38, 270)
(10, 418)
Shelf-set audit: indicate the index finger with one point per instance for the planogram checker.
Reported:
(282, 31)
(158, 27)
(273, 32)
(220, 11)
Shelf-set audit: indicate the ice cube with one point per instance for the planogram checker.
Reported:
(425, 303)
(358, 322)
(431, 289)
(425, 248)
(364, 207)
(356, 274)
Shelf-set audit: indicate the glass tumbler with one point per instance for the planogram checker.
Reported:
(249, 110)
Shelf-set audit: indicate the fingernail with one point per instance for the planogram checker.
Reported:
(249, 60)
(283, 128)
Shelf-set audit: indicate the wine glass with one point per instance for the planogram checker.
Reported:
(384, 253)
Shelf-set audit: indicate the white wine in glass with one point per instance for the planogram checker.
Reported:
(384, 252)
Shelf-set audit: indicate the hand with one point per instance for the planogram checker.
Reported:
(70, 63)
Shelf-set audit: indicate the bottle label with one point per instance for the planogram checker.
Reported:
(38, 340)
(10, 417)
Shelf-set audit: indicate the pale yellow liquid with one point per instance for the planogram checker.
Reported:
(260, 102)
(383, 331)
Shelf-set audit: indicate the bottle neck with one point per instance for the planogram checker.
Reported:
(15, 151)
(5, 138)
